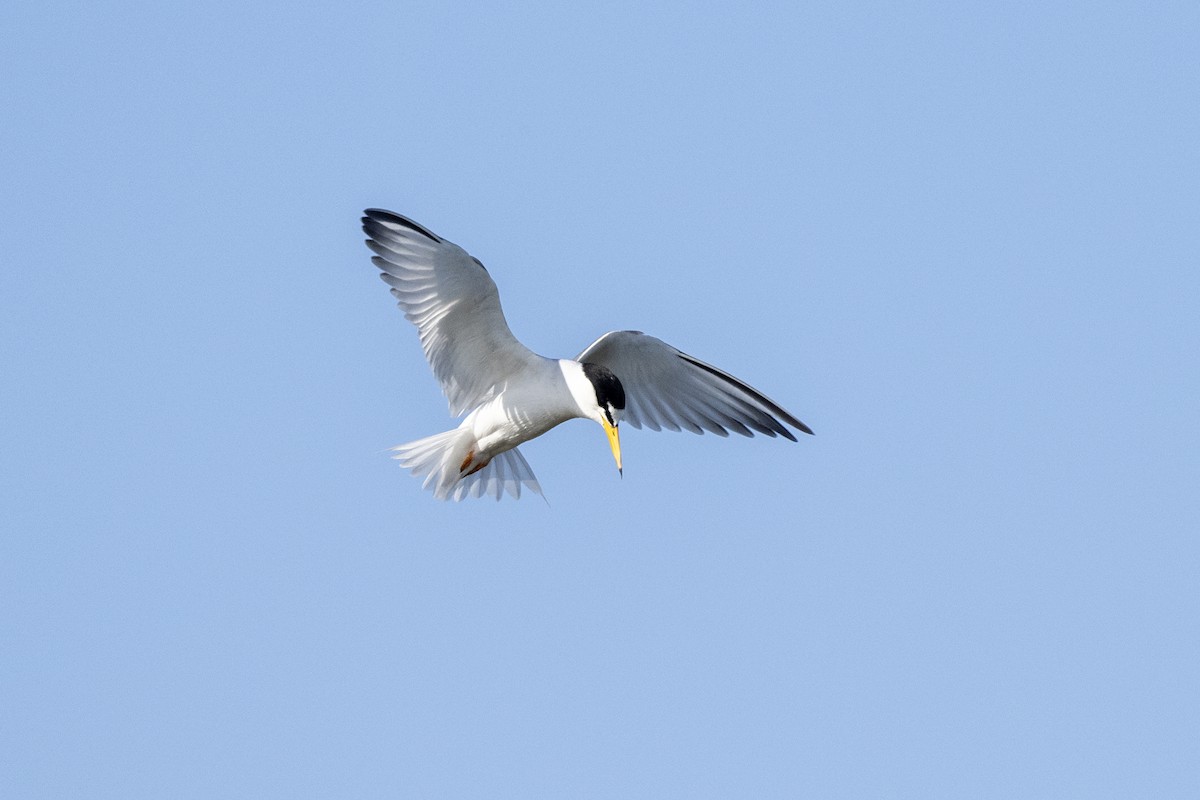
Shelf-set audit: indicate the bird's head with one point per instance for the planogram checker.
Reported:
(608, 405)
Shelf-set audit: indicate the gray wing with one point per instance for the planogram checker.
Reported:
(453, 302)
(666, 388)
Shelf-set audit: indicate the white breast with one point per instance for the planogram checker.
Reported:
(529, 407)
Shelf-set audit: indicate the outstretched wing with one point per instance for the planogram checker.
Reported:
(453, 302)
(666, 388)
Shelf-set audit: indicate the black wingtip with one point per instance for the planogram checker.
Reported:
(391, 217)
(767, 402)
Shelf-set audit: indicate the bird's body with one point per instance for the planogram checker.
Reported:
(533, 403)
(511, 395)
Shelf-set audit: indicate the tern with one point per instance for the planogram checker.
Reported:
(510, 394)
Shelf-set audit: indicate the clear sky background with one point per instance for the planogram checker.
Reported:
(961, 242)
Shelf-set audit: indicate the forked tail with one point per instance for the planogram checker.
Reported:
(440, 460)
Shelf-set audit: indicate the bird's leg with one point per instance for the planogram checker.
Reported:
(462, 468)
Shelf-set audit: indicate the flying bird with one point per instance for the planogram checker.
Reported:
(510, 394)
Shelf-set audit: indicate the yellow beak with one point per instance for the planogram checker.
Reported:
(614, 441)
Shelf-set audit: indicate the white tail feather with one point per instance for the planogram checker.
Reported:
(437, 458)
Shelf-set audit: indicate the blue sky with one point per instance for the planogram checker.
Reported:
(958, 241)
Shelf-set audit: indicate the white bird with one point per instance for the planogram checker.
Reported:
(511, 395)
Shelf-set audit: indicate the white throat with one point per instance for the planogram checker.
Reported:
(582, 390)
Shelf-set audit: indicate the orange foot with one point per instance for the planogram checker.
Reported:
(462, 468)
